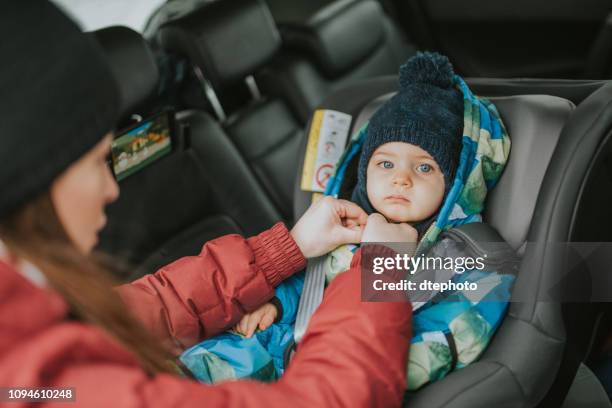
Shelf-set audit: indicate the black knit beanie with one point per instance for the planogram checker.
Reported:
(59, 98)
(427, 112)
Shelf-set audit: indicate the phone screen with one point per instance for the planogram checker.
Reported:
(138, 147)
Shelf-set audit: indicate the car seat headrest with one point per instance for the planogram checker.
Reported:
(337, 36)
(534, 123)
(132, 63)
(228, 40)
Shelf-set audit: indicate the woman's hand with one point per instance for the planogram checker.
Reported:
(379, 230)
(327, 224)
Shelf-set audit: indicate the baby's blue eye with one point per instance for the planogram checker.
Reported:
(386, 164)
(425, 168)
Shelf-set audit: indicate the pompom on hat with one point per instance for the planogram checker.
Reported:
(427, 112)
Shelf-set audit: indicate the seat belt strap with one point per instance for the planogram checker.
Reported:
(314, 284)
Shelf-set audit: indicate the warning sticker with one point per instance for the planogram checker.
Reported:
(328, 133)
(324, 172)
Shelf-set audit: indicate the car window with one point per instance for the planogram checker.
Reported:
(95, 14)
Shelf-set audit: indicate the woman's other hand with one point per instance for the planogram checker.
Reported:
(379, 230)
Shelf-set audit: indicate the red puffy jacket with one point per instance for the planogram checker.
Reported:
(354, 353)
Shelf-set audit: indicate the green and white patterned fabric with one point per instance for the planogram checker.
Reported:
(486, 147)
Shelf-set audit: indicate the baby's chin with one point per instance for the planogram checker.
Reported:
(396, 214)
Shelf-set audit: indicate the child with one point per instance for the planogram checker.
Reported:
(427, 158)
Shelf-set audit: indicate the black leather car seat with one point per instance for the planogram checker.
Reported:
(319, 53)
(202, 190)
(226, 43)
(542, 198)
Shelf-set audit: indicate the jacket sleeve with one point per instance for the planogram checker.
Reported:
(200, 296)
(353, 354)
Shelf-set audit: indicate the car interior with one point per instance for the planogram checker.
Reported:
(243, 79)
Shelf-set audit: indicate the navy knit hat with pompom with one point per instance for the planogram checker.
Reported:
(427, 112)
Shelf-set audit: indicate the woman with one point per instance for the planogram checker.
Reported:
(62, 325)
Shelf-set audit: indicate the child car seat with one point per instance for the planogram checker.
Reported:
(542, 198)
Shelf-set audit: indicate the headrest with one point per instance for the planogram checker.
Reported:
(132, 63)
(534, 124)
(228, 40)
(339, 35)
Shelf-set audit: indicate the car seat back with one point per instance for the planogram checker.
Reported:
(331, 45)
(226, 43)
(202, 190)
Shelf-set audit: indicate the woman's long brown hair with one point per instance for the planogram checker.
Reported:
(35, 234)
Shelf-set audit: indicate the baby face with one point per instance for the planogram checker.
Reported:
(404, 183)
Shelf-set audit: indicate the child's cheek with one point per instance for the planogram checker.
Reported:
(376, 194)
